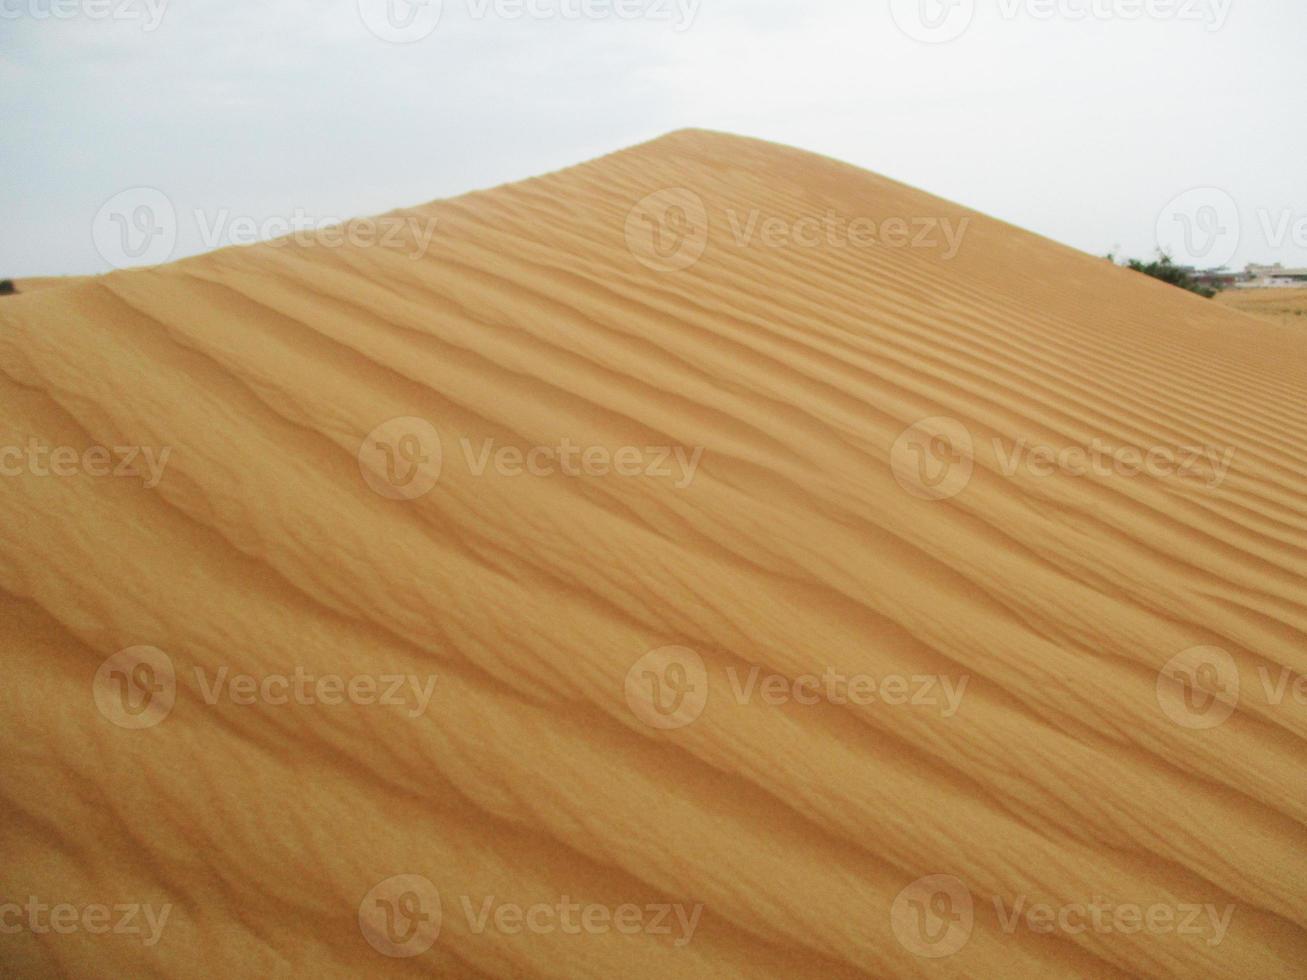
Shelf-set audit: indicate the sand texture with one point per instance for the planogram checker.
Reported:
(1086, 683)
(1287, 307)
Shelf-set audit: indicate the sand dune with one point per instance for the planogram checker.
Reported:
(1287, 307)
(627, 451)
(35, 284)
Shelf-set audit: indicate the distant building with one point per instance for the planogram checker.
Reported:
(1273, 277)
(1254, 277)
(1217, 278)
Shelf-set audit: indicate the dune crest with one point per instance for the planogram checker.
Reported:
(848, 582)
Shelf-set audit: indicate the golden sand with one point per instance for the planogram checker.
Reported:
(925, 665)
(1287, 307)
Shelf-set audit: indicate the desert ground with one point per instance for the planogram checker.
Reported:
(711, 560)
(1284, 306)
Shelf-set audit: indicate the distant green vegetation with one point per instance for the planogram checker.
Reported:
(1166, 270)
(7, 287)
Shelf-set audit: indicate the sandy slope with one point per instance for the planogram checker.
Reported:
(1284, 306)
(35, 284)
(543, 771)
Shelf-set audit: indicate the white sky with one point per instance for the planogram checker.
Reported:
(1084, 123)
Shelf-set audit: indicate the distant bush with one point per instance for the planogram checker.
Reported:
(1166, 270)
(7, 287)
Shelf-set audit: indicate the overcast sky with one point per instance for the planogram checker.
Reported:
(1094, 122)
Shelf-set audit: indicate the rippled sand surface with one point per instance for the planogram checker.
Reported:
(712, 560)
